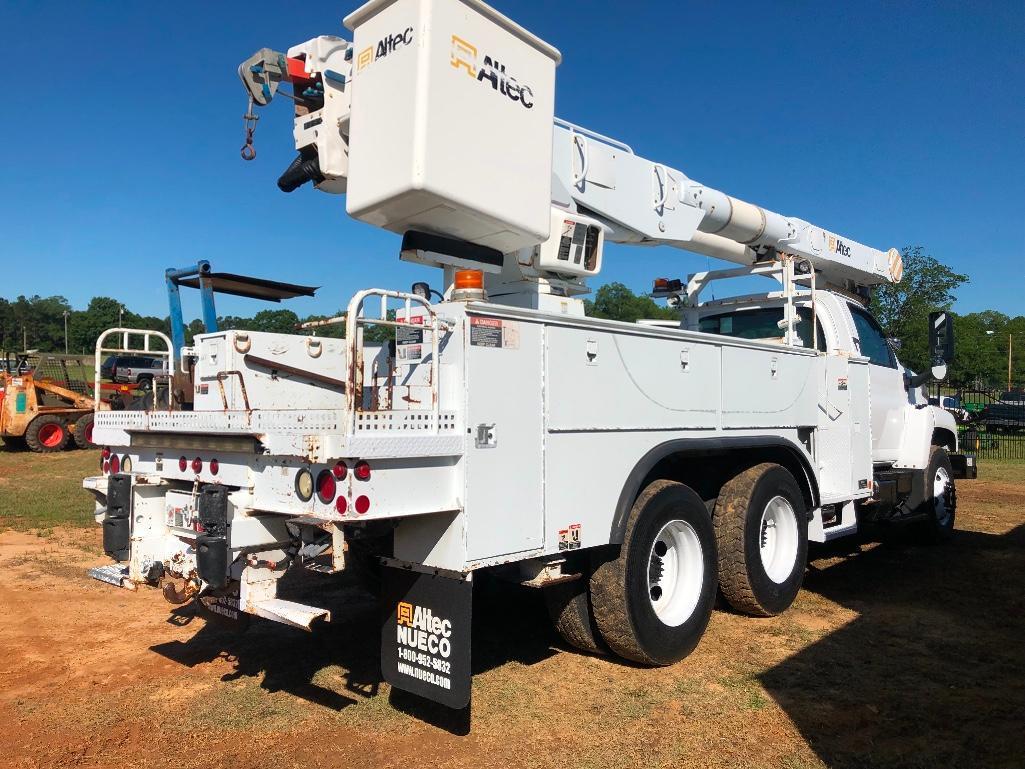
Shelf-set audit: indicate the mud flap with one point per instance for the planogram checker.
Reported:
(117, 524)
(425, 634)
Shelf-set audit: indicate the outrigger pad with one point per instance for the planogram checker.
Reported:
(425, 635)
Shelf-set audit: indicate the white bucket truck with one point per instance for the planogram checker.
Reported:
(628, 470)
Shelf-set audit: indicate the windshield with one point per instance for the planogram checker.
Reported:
(760, 323)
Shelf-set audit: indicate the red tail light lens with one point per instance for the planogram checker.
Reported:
(340, 470)
(183, 464)
(197, 465)
(341, 505)
(106, 453)
(326, 486)
(362, 504)
(115, 465)
(214, 466)
(361, 471)
(106, 467)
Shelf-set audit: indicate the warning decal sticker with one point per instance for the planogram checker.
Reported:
(493, 332)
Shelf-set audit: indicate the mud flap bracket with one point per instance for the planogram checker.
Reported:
(425, 632)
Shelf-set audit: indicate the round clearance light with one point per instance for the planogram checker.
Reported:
(126, 464)
(105, 453)
(340, 470)
(106, 466)
(304, 485)
(362, 471)
(214, 466)
(115, 465)
(197, 465)
(362, 504)
(326, 486)
(341, 505)
(183, 464)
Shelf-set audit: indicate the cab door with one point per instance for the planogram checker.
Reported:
(887, 394)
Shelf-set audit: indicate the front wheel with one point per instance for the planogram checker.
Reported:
(652, 603)
(939, 499)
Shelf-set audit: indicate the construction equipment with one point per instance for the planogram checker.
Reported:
(627, 469)
(44, 402)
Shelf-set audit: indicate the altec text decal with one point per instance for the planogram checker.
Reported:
(384, 46)
(466, 57)
(420, 628)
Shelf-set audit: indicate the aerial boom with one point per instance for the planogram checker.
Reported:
(418, 147)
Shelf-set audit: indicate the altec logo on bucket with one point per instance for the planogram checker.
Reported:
(420, 628)
(384, 46)
(466, 57)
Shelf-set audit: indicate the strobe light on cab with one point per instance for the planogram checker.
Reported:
(304, 485)
(326, 486)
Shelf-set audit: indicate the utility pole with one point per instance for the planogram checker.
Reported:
(66, 313)
(120, 316)
(1009, 347)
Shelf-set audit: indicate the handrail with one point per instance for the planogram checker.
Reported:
(354, 323)
(126, 334)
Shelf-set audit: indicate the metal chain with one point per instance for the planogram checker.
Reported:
(249, 119)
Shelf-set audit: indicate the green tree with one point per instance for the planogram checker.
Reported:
(903, 308)
(615, 301)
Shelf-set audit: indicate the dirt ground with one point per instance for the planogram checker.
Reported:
(893, 656)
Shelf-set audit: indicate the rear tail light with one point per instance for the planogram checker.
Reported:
(183, 464)
(126, 464)
(362, 504)
(214, 466)
(341, 505)
(197, 465)
(105, 453)
(326, 486)
(115, 465)
(106, 467)
(362, 471)
(340, 470)
(304, 485)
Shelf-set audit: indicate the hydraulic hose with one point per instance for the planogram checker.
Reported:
(305, 168)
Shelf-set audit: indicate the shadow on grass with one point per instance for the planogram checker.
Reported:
(932, 672)
(509, 624)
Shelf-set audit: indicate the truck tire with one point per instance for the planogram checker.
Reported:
(82, 432)
(940, 500)
(47, 433)
(569, 606)
(652, 603)
(761, 531)
(144, 382)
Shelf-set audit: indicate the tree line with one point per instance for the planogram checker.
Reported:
(903, 309)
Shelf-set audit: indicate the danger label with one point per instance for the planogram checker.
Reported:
(493, 332)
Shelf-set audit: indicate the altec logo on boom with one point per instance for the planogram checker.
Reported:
(837, 246)
(466, 57)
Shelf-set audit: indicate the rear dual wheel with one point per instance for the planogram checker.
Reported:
(652, 603)
(761, 528)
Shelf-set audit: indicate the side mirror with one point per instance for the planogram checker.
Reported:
(894, 342)
(941, 349)
(941, 343)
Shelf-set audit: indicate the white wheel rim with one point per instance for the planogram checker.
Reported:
(777, 539)
(676, 572)
(940, 482)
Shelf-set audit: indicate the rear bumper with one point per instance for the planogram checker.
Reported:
(964, 466)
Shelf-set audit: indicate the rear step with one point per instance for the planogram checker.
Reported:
(113, 574)
(289, 612)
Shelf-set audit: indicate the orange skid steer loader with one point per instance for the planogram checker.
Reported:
(44, 403)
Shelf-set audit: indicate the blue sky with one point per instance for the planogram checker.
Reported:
(890, 123)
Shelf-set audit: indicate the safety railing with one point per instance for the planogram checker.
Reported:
(123, 346)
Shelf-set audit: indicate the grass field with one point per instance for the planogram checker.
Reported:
(894, 655)
(40, 491)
